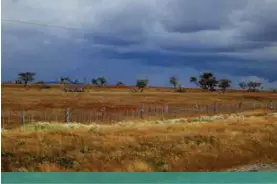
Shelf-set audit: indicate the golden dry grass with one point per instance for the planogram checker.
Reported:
(211, 146)
(17, 97)
(50, 104)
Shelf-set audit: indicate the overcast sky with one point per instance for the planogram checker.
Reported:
(128, 39)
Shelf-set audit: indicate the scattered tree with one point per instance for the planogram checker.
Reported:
(180, 89)
(274, 90)
(141, 84)
(224, 84)
(242, 85)
(253, 86)
(61, 80)
(26, 77)
(119, 83)
(64, 80)
(102, 81)
(173, 81)
(94, 82)
(85, 81)
(18, 82)
(195, 81)
(207, 81)
(40, 82)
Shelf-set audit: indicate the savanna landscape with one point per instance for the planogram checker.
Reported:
(138, 86)
(202, 129)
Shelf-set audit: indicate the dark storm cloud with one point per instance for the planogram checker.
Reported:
(236, 37)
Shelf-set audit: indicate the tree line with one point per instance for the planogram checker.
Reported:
(206, 81)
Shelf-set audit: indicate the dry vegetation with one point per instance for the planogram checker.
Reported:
(14, 97)
(186, 146)
(203, 146)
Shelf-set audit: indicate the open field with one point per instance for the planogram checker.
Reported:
(17, 97)
(217, 135)
(120, 103)
(188, 145)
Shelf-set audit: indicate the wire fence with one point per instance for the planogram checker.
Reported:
(14, 118)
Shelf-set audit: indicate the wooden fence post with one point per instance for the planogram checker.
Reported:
(67, 115)
(2, 122)
(32, 118)
(166, 108)
(271, 105)
(142, 111)
(127, 113)
(214, 108)
(196, 108)
(9, 118)
(103, 113)
(22, 117)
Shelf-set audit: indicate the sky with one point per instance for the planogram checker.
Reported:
(124, 40)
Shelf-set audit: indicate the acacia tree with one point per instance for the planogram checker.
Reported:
(141, 84)
(224, 84)
(173, 81)
(206, 81)
(26, 77)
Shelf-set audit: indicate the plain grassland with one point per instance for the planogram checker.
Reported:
(50, 104)
(207, 146)
(16, 97)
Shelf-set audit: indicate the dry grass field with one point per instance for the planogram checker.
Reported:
(17, 97)
(195, 146)
(188, 145)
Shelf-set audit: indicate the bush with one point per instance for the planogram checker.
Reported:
(45, 87)
(274, 90)
(180, 90)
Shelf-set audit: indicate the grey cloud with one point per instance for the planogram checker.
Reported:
(258, 21)
(241, 29)
(192, 16)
